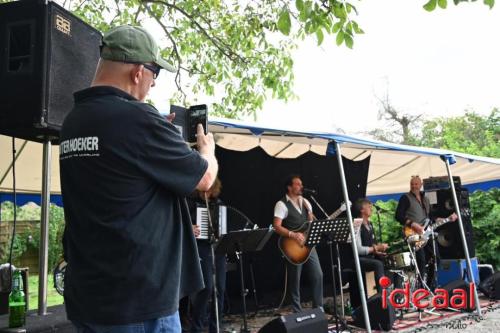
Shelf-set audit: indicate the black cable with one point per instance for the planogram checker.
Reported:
(248, 221)
(15, 209)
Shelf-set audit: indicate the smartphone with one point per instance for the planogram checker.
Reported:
(197, 114)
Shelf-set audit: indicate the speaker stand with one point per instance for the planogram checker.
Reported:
(44, 228)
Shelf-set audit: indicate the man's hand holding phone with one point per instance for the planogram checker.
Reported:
(204, 142)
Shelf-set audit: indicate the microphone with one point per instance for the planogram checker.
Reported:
(308, 191)
(379, 208)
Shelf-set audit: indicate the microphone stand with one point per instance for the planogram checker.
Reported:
(249, 225)
(214, 268)
(339, 270)
(379, 224)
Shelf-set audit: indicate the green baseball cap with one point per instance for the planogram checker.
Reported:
(128, 43)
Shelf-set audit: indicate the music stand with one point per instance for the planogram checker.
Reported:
(238, 242)
(337, 230)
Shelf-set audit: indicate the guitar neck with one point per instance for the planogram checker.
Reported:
(336, 213)
(440, 223)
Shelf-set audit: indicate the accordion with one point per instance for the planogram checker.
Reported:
(219, 220)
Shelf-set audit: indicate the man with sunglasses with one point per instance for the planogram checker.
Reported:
(125, 171)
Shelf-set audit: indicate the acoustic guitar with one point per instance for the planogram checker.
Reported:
(419, 241)
(295, 252)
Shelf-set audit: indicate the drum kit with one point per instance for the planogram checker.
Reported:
(402, 264)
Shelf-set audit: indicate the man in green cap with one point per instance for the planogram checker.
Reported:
(125, 171)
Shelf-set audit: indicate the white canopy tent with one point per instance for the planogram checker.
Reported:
(390, 167)
(390, 164)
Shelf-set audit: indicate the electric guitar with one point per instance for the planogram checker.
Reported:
(419, 241)
(295, 252)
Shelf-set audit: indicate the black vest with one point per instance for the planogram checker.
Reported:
(294, 220)
(367, 236)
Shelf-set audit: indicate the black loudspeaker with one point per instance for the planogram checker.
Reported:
(459, 284)
(490, 287)
(46, 54)
(311, 320)
(449, 240)
(380, 318)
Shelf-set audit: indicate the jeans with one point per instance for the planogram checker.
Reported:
(168, 324)
(425, 262)
(200, 300)
(369, 264)
(315, 276)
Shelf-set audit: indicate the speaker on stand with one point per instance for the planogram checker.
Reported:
(47, 54)
(449, 240)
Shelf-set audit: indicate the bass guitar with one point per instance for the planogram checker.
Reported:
(295, 252)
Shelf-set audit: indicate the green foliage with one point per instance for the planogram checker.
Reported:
(485, 208)
(431, 4)
(391, 229)
(237, 51)
(31, 238)
(471, 133)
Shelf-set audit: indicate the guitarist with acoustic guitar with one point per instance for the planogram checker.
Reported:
(290, 213)
(413, 212)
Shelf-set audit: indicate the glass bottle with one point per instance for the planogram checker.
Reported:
(17, 302)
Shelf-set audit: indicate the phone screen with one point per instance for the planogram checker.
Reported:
(197, 115)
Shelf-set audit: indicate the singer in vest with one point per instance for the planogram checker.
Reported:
(290, 213)
(370, 252)
(413, 209)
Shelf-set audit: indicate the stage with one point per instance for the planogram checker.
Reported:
(454, 321)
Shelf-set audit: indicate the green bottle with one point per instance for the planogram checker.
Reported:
(17, 302)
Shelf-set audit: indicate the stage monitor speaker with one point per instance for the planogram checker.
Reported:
(490, 287)
(459, 284)
(380, 318)
(311, 320)
(449, 240)
(47, 54)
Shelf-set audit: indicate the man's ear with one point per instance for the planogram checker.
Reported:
(136, 73)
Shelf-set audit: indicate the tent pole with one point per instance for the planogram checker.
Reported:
(446, 159)
(44, 229)
(361, 284)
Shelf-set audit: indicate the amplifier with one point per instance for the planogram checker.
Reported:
(456, 269)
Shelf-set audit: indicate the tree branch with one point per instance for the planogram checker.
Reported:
(229, 53)
(174, 46)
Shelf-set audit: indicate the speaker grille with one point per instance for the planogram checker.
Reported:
(74, 53)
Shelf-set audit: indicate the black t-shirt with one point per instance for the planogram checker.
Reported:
(128, 241)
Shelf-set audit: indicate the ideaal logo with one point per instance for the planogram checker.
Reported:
(440, 300)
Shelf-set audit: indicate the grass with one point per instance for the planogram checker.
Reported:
(53, 297)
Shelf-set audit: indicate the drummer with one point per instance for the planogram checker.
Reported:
(370, 252)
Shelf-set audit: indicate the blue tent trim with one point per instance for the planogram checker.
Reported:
(24, 198)
(483, 186)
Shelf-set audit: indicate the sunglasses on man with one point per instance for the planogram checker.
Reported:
(153, 68)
